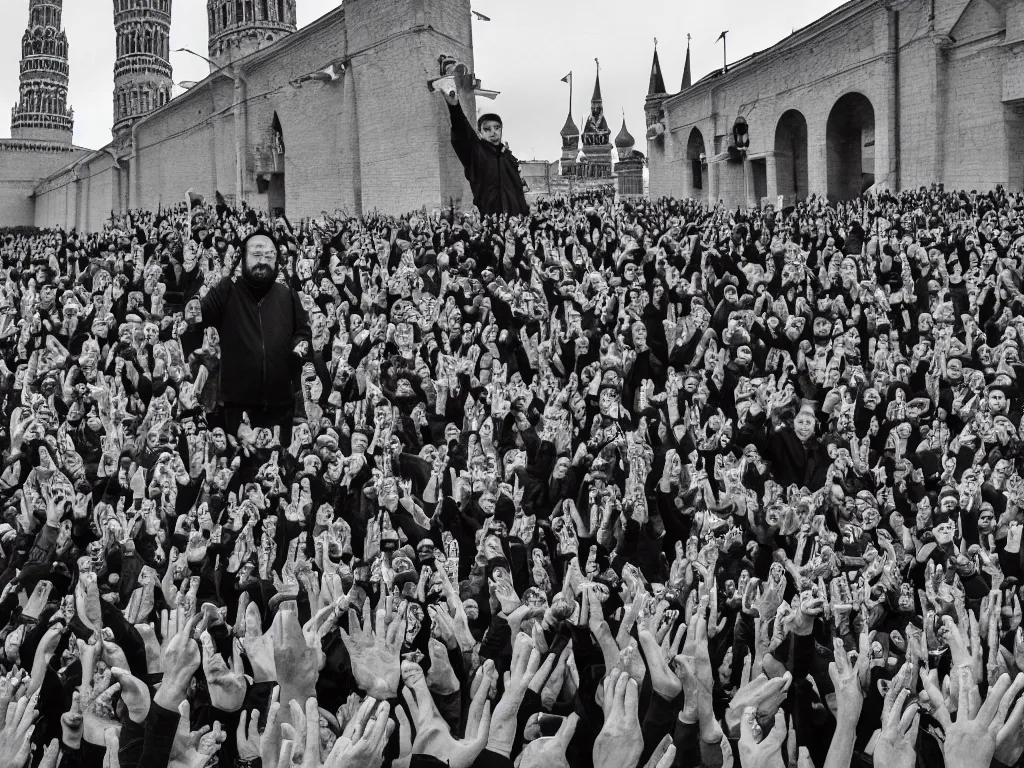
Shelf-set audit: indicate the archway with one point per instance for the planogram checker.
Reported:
(696, 156)
(275, 190)
(791, 175)
(850, 147)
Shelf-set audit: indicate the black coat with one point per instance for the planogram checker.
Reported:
(492, 171)
(256, 341)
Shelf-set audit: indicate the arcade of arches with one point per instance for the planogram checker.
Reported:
(844, 144)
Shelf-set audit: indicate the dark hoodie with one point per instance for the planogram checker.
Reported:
(492, 171)
(260, 322)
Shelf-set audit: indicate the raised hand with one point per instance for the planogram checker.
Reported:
(71, 723)
(526, 662)
(758, 750)
(247, 736)
(134, 694)
(16, 735)
(971, 739)
(297, 654)
(181, 660)
(375, 649)
(549, 751)
(433, 737)
(1010, 739)
(620, 742)
(226, 684)
(37, 601)
(364, 738)
(258, 646)
(193, 749)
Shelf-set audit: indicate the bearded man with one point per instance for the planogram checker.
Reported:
(264, 338)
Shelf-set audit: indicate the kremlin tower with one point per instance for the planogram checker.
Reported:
(42, 112)
(142, 70)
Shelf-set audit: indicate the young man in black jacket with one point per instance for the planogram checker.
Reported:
(491, 169)
(264, 335)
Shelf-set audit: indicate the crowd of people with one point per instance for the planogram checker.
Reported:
(615, 483)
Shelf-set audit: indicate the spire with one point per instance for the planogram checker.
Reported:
(596, 98)
(686, 66)
(42, 111)
(569, 129)
(657, 85)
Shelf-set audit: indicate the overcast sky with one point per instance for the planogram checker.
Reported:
(527, 47)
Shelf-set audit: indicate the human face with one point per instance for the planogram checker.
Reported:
(260, 257)
(606, 401)
(848, 270)
(986, 521)
(639, 334)
(944, 533)
(220, 441)
(490, 131)
(997, 401)
(803, 425)
(451, 433)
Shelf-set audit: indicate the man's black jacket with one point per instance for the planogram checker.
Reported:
(492, 171)
(257, 337)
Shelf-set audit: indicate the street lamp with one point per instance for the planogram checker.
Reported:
(228, 69)
(240, 128)
(208, 61)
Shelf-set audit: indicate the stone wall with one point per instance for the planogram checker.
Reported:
(937, 90)
(22, 163)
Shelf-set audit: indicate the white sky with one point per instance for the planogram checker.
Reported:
(523, 52)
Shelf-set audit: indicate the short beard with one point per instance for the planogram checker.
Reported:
(261, 274)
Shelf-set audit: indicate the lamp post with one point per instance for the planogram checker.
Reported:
(238, 114)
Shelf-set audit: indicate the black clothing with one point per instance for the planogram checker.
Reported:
(492, 171)
(257, 337)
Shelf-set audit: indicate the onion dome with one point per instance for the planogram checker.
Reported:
(624, 140)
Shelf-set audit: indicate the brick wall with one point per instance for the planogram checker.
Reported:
(376, 138)
(20, 169)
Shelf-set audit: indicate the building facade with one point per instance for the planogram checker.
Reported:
(337, 114)
(890, 94)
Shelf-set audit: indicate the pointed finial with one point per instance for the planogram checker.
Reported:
(598, 63)
(687, 39)
(655, 43)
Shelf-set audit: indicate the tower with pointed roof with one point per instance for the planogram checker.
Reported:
(629, 170)
(42, 112)
(686, 66)
(570, 145)
(655, 91)
(597, 145)
(624, 142)
(142, 70)
(240, 27)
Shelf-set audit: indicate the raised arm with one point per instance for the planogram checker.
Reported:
(463, 135)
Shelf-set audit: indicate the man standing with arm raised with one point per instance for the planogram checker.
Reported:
(491, 169)
(264, 335)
